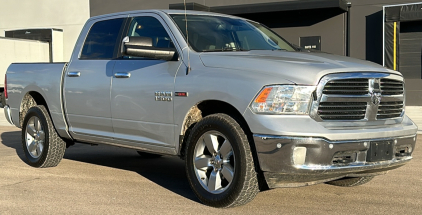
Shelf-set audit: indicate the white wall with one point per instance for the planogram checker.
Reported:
(57, 46)
(21, 51)
(69, 15)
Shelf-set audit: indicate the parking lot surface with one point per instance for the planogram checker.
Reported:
(110, 180)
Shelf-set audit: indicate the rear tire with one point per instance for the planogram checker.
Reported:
(351, 182)
(41, 144)
(148, 155)
(219, 163)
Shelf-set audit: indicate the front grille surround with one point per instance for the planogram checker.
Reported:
(389, 110)
(391, 87)
(353, 97)
(352, 86)
(342, 110)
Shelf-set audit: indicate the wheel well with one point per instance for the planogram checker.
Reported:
(38, 98)
(213, 107)
(205, 108)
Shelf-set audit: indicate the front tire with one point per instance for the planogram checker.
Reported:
(41, 143)
(351, 182)
(219, 163)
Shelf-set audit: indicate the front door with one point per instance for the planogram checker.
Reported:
(142, 90)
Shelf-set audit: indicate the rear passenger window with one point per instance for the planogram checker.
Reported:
(102, 39)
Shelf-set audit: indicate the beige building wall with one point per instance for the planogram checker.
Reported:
(68, 15)
(21, 51)
(57, 46)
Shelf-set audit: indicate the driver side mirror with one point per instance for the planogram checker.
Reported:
(142, 47)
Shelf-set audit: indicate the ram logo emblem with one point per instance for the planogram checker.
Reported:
(375, 91)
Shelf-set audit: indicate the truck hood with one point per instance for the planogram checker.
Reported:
(296, 67)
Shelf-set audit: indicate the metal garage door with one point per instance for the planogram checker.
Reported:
(410, 60)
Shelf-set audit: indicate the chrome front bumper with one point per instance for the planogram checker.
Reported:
(299, 161)
(8, 114)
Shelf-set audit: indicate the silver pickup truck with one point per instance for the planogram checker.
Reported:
(237, 102)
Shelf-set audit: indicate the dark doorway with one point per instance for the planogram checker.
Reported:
(374, 37)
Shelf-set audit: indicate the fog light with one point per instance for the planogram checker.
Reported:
(402, 151)
(299, 155)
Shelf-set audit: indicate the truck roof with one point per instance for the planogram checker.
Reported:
(163, 12)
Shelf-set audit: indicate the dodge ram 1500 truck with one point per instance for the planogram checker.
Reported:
(237, 102)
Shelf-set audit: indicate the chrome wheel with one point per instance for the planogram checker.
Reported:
(34, 137)
(214, 162)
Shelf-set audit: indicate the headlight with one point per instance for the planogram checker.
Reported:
(283, 99)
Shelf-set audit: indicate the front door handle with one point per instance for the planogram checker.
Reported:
(122, 74)
(73, 74)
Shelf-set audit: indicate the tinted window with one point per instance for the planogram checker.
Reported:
(102, 39)
(146, 26)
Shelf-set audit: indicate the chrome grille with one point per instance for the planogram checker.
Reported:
(359, 97)
(342, 110)
(389, 110)
(357, 86)
(391, 87)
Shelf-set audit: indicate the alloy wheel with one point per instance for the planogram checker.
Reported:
(35, 137)
(214, 162)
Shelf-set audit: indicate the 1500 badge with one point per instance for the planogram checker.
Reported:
(163, 96)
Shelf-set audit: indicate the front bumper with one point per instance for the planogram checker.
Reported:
(299, 161)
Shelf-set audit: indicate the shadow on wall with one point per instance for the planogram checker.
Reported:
(374, 37)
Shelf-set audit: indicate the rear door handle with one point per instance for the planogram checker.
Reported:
(73, 74)
(122, 74)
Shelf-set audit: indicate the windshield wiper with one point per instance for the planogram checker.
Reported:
(224, 49)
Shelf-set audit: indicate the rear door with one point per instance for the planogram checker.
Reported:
(88, 81)
(142, 99)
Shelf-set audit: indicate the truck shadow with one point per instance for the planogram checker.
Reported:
(167, 171)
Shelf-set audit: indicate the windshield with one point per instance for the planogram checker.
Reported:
(216, 33)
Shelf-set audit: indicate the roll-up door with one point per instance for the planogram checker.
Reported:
(410, 55)
(410, 49)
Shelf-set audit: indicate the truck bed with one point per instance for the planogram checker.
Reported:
(42, 78)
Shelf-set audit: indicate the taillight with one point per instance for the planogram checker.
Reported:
(5, 87)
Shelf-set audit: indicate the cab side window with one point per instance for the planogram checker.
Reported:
(146, 26)
(102, 39)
